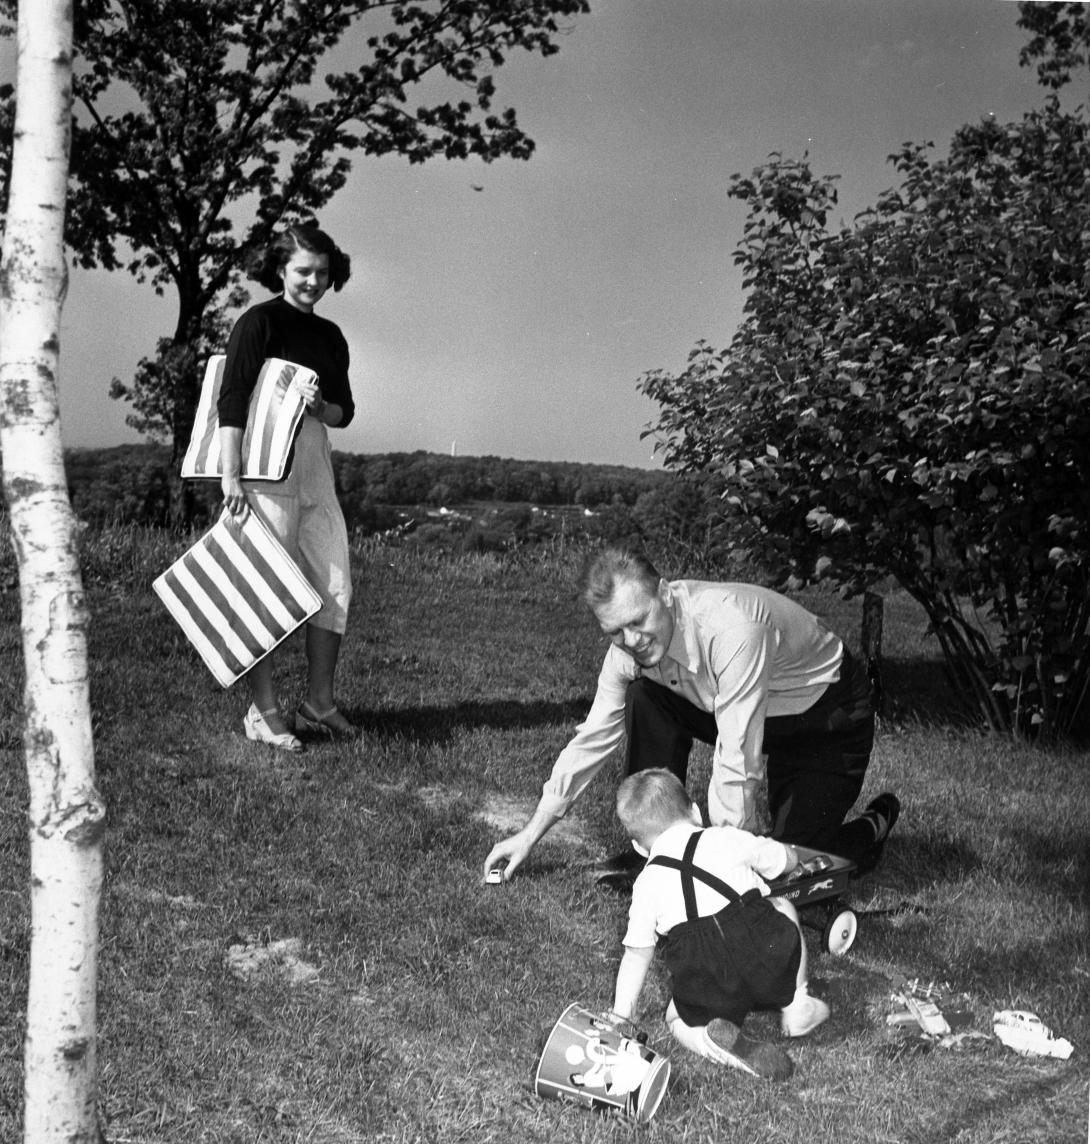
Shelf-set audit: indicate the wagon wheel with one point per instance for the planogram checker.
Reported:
(840, 931)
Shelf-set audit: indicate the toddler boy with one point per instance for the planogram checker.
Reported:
(730, 948)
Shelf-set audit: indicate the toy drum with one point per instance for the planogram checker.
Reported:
(589, 1060)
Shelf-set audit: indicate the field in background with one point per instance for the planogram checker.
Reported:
(396, 998)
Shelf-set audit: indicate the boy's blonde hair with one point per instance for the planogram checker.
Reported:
(650, 801)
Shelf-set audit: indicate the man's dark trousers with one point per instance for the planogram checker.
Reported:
(816, 760)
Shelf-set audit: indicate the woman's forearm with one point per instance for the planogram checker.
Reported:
(328, 412)
(231, 467)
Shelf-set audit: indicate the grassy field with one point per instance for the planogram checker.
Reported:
(304, 950)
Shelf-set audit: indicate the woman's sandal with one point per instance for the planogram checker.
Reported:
(331, 723)
(258, 731)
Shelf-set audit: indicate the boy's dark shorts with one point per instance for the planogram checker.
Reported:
(727, 964)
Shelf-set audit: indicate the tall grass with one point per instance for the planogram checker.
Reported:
(433, 993)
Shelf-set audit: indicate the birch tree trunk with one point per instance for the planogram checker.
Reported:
(66, 819)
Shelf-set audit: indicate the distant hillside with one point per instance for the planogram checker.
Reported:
(478, 503)
(131, 482)
(438, 479)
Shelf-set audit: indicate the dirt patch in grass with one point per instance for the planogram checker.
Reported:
(282, 959)
(152, 897)
(511, 814)
(508, 815)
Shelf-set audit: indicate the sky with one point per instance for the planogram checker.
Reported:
(516, 320)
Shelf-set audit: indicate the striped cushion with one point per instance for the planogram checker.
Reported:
(236, 594)
(276, 408)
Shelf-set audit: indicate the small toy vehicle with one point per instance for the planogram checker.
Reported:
(815, 887)
(1028, 1035)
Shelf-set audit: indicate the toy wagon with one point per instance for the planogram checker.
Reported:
(815, 887)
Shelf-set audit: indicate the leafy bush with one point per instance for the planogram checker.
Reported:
(910, 395)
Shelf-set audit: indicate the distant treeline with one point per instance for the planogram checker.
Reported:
(489, 502)
(132, 483)
(438, 480)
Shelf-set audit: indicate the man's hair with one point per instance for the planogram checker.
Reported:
(267, 268)
(652, 800)
(601, 573)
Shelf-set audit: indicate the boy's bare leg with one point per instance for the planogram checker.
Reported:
(805, 1013)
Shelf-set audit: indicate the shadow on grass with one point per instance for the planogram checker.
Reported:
(437, 724)
(976, 1110)
(915, 863)
(921, 861)
(922, 691)
(917, 690)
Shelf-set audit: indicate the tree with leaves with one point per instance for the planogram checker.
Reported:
(910, 395)
(1059, 40)
(66, 815)
(203, 125)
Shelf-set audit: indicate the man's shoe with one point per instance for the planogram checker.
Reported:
(619, 871)
(621, 862)
(803, 1015)
(728, 1045)
(882, 813)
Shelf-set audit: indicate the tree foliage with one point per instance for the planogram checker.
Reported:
(909, 396)
(202, 125)
(1059, 41)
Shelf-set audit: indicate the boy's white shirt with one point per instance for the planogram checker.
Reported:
(743, 860)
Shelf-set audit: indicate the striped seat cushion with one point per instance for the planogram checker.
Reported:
(276, 408)
(236, 594)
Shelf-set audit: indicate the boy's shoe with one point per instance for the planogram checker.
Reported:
(728, 1045)
(803, 1015)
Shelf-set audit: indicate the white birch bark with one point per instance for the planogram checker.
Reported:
(66, 817)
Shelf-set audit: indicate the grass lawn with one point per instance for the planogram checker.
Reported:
(304, 950)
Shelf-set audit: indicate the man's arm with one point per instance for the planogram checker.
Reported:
(586, 754)
(742, 664)
(510, 854)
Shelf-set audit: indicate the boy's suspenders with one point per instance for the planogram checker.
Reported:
(689, 871)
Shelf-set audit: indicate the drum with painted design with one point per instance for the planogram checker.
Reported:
(601, 1062)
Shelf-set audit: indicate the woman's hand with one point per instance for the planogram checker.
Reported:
(315, 403)
(234, 498)
(311, 394)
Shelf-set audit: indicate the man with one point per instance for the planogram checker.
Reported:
(737, 666)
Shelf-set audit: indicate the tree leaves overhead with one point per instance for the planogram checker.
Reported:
(202, 125)
(1060, 40)
(188, 107)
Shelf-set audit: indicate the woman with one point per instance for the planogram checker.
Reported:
(302, 509)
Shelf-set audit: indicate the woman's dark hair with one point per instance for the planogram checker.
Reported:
(268, 265)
